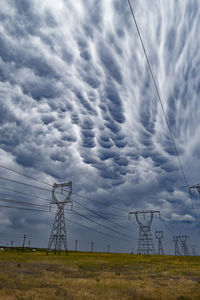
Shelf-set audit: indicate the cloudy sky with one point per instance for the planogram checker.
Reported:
(78, 103)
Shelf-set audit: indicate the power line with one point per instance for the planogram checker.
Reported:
(104, 226)
(32, 204)
(25, 194)
(45, 199)
(45, 206)
(81, 225)
(23, 208)
(114, 207)
(30, 177)
(97, 214)
(25, 175)
(160, 100)
(21, 202)
(107, 234)
(27, 184)
(168, 228)
(23, 183)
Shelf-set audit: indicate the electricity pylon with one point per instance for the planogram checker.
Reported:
(92, 246)
(58, 233)
(159, 237)
(145, 242)
(176, 240)
(76, 245)
(24, 240)
(183, 240)
(193, 251)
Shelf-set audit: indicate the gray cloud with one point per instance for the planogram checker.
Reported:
(77, 100)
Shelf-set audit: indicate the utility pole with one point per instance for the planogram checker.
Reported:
(25, 236)
(76, 244)
(176, 241)
(11, 244)
(145, 242)
(159, 237)
(108, 249)
(58, 233)
(29, 243)
(92, 244)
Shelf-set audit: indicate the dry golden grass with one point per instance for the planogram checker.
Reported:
(97, 276)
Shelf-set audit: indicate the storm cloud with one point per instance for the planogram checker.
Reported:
(78, 102)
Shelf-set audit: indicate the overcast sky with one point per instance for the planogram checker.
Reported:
(77, 103)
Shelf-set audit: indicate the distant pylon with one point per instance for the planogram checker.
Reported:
(24, 240)
(92, 246)
(183, 240)
(145, 243)
(159, 237)
(193, 251)
(76, 245)
(58, 235)
(176, 241)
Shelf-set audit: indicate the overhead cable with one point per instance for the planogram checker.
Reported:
(81, 225)
(41, 181)
(102, 225)
(103, 217)
(160, 100)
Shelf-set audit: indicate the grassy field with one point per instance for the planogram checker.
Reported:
(98, 276)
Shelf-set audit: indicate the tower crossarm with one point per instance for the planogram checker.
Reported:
(183, 238)
(147, 223)
(159, 234)
(61, 185)
(196, 186)
(143, 212)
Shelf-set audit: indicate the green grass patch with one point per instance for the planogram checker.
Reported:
(97, 276)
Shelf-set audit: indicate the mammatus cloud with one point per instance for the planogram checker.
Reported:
(78, 102)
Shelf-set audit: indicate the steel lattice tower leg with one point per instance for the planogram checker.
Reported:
(175, 240)
(58, 235)
(159, 237)
(183, 240)
(145, 243)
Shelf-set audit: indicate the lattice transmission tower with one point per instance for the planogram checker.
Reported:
(58, 237)
(182, 241)
(145, 242)
(159, 237)
(193, 251)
